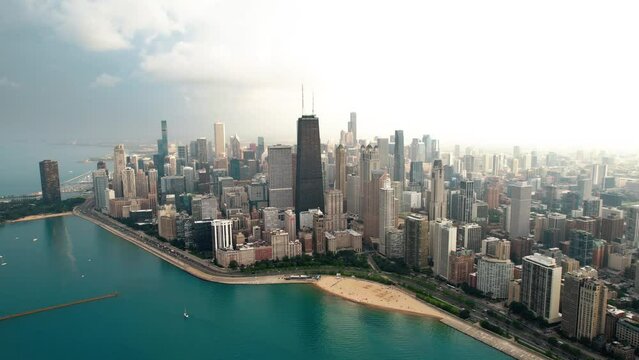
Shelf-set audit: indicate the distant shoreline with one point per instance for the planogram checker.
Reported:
(39, 217)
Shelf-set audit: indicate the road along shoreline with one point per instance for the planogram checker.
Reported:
(363, 292)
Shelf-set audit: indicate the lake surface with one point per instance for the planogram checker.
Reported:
(19, 163)
(145, 321)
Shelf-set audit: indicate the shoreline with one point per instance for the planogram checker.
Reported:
(228, 280)
(39, 217)
(409, 304)
(392, 298)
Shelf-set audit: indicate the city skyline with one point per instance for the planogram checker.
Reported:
(570, 76)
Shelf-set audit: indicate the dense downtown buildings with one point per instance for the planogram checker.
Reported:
(517, 229)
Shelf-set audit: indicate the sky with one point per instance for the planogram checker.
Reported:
(559, 74)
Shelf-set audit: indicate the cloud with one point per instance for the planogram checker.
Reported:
(105, 80)
(106, 25)
(5, 82)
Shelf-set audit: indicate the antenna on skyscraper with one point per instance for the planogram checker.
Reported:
(313, 103)
(302, 99)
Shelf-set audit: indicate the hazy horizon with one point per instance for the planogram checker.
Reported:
(544, 75)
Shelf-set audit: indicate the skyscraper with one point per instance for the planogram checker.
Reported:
(368, 162)
(416, 173)
(100, 183)
(493, 276)
(202, 152)
(165, 139)
(632, 225)
(383, 149)
(119, 163)
(222, 234)
(50, 181)
(280, 181)
(583, 304)
(540, 286)
(437, 202)
(443, 237)
(466, 200)
(259, 151)
(141, 184)
(352, 127)
(399, 169)
(220, 140)
(416, 239)
(236, 147)
(340, 169)
(334, 216)
(309, 193)
(128, 183)
(585, 188)
(386, 213)
(520, 209)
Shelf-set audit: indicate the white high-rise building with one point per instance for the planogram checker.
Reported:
(119, 163)
(128, 183)
(493, 276)
(443, 235)
(520, 204)
(386, 213)
(289, 224)
(220, 140)
(541, 286)
(632, 225)
(222, 234)
(172, 166)
(280, 176)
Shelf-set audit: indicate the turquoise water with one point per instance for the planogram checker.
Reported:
(146, 322)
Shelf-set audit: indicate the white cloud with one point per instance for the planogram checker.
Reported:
(105, 80)
(106, 25)
(5, 82)
(462, 70)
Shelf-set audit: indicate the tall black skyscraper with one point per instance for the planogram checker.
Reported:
(309, 190)
(50, 181)
(399, 170)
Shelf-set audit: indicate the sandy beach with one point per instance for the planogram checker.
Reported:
(391, 298)
(377, 295)
(39, 217)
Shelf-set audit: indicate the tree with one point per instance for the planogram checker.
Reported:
(233, 264)
(464, 314)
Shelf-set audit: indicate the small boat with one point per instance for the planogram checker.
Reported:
(2, 263)
(82, 275)
(35, 239)
(186, 315)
